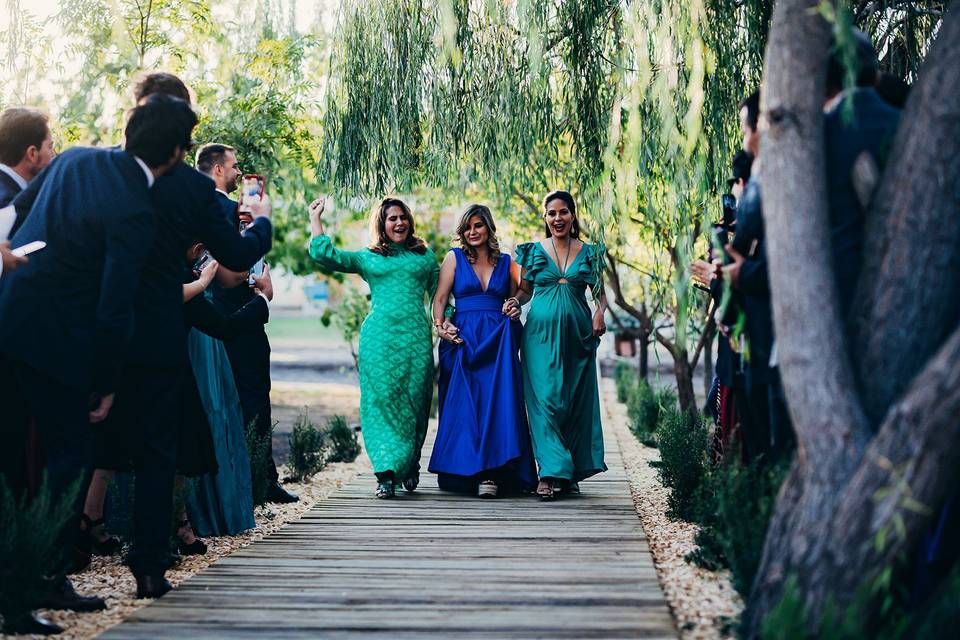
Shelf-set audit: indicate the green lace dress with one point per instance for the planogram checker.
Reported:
(559, 356)
(396, 351)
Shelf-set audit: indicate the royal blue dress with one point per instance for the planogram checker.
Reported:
(483, 430)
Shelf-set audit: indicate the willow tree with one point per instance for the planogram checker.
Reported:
(512, 99)
(875, 407)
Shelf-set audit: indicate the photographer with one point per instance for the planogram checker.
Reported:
(728, 394)
(249, 353)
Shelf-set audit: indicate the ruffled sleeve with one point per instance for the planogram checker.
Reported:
(332, 259)
(531, 260)
(591, 267)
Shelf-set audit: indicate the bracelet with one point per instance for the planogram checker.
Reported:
(515, 299)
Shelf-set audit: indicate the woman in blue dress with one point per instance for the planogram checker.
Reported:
(483, 444)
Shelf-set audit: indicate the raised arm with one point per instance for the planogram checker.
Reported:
(321, 246)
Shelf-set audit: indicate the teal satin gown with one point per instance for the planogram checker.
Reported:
(559, 356)
(221, 503)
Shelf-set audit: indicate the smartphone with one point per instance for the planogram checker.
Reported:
(255, 270)
(718, 240)
(29, 248)
(251, 186)
(202, 261)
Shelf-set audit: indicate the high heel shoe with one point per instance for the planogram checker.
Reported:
(196, 548)
(107, 547)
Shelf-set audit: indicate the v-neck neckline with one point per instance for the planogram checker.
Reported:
(477, 275)
(563, 274)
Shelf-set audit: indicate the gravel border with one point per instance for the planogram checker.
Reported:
(703, 602)
(107, 578)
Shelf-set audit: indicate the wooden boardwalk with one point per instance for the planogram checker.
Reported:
(431, 565)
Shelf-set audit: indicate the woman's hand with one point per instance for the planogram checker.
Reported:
(316, 210)
(599, 325)
(449, 332)
(208, 272)
(511, 308)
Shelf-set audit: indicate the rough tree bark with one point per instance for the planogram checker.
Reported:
(827, 515)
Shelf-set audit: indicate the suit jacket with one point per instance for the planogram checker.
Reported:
(868, 128)
(753, 286)
(188, 211)
(9, 190)
(69, 311)
(249, 352)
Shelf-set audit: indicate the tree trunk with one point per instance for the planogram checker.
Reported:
(837, 514)
(683, 373)
(907, 300)
(818, 380)
(644, 345)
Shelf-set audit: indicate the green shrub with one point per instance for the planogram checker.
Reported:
(625, 377)
(30, 546)
(341, 441)
(734, 507)
(682, 438)
(308, 453)
(258, 450)
(643, 412)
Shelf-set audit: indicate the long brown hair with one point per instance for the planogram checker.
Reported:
(380, 243)
(493, 245)
(571, 205)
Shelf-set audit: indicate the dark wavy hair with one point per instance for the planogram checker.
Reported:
(493, 245)
(571, 204)
(380, 243)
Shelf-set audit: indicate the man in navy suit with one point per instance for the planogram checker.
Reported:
(249, 353)
(858, 128)
(187, 211)
(66, 317)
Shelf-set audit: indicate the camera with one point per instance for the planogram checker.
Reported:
(728, 204)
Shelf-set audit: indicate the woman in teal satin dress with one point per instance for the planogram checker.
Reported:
(559, 348)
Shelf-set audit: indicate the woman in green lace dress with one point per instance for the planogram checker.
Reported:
(559, 348)
(396, 343)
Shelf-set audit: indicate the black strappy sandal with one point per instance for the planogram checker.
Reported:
(385, 490)
(110, 546)
(412, 482)
(546, 491)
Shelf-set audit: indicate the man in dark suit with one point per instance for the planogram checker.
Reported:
(188, 211)
(26, 148)
(859, 127)
(66, 317)
(250, 353)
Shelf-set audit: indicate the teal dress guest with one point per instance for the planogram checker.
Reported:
(221, 503)
(558, 350)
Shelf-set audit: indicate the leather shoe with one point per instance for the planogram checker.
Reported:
(152, 586)
(29, 624)
(63, 596)
(279, 495)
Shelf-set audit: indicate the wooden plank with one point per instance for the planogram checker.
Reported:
(431, 565)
